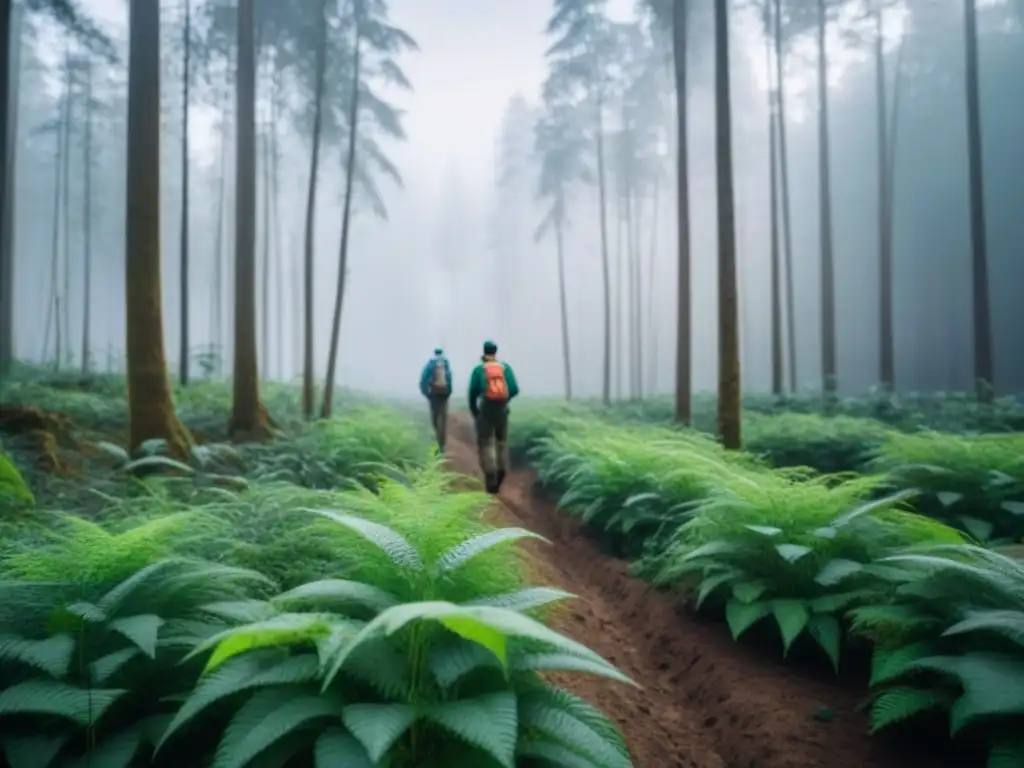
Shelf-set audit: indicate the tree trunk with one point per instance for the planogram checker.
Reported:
(619, 309)
(606, 383)
(10, 78)
(773, 196)
(248, 416)
(886, 351)
(217, 308)
(787, 219)
(265, 246)
(346, 222)
(636, 275)
(275, 217)
(984, 366)
(729, 413)
(150, 406)
(563, 301)
(651, 291)
(308, 393)
(65, 198)
(87, 224)
(183, 349)
(630, 302)
(684, 385)
(828, 287)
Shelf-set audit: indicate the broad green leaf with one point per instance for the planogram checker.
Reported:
(269, 716)
(827, 633)
(792, 617)
(390, 542)
(242, 673)
(117, 751)
(465, 551)
(711, 583)
(948, 498)
(1009, 624)
(378, 726)
(792, 552)
(1014, 507)
(245, 611)
(834, 571)
(37, 751)
(564, 662)
(284, 630)
(749, 591)
(485, 625)
(142, 630)
(524, 599)
(561, 727)
(49, 697)
(764, 530)
(894, 706)
(712, 549)
(874, 506)
(52, 655)
(993, 686)
(341, 591)
(742, 616)
(105, 667)
(976, 527)
(450, 661)
(490, 722)
(334, 748)
(840, 601)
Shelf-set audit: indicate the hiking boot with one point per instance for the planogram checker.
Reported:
(499, 480)
(491, 482)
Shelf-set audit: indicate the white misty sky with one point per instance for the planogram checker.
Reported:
(475, 54)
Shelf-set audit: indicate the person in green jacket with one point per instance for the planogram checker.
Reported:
(492, 385)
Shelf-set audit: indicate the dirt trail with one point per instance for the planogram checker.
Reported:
(705, 702)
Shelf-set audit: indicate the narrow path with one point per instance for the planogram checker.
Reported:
(705, 702)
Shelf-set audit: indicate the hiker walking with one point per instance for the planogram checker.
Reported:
(436, 386)
(491, 386)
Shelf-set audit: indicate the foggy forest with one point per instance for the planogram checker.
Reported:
(713, 308)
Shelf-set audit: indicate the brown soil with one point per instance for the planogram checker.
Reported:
(705, 702)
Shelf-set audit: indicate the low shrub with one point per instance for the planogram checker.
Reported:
(778, 548)
(417, 645)
(975, 483)
(826, 444)
(405, 678)
(634, 484)
(951, 641)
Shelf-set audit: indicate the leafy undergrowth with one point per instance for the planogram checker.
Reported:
(825, 560)
(321, 600)
(975, 483)
(416, 647)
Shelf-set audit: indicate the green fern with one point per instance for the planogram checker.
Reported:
(894, 706)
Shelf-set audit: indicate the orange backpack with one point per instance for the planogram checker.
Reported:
(495, 387)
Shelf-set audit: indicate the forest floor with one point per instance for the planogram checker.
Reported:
(704, 701)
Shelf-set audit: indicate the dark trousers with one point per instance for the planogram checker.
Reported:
(439, 418)
(492, 437)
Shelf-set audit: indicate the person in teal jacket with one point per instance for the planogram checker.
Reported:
(492, 385)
